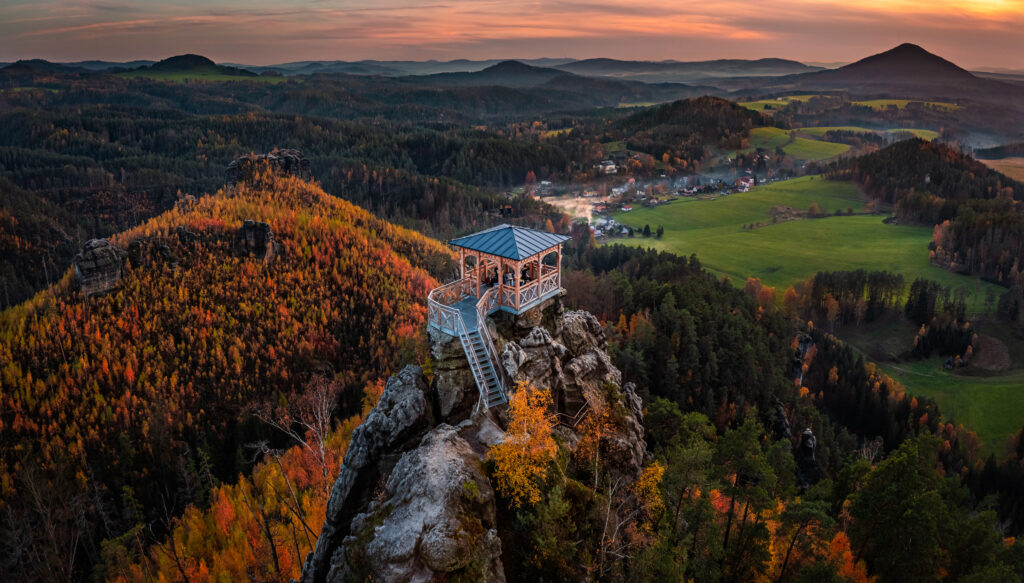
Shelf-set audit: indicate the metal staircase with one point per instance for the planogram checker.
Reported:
(453, 311)
(482, 365)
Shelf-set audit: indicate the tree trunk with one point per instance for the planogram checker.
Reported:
(789, 551)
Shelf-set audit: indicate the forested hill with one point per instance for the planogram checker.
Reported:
(682, 128)
(121, 409)
(928, 181)
(977, 212)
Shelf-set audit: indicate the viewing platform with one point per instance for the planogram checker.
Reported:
(504, 268)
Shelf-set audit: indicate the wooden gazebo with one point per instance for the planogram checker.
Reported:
(505, 268)
(512, 260)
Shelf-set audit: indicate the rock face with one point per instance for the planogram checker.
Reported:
(433, 518)
(403, 413)
(255, 239)
(805, 463)
(99, 267)
(453, 380)
(283, 162)
(149, 251)
(436, 517)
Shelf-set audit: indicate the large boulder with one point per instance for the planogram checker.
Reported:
(99, 267)
(284, 162)
(255, 239)
(535, 358)
(434, 521)
(402, 415)
(581, 331)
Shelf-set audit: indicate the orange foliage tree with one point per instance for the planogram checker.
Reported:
(260, 528)
(121, 391)
(521, 462)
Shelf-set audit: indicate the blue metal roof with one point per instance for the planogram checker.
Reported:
(510, 242)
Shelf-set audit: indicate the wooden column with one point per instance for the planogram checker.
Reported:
(462, 263)
(519, 267)
(478, 259)
(558, 267)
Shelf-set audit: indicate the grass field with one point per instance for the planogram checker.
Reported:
(801, 148)
(626, 104)
(814, 150)
(820, 131)
(923, 134)
(197, 75)
(786, 253)
(1012, 167)
(768, 104)
(768, 138)
(880, 104)
(991, 404)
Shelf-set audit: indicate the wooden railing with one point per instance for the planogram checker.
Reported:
(449, 320)
(440, 314)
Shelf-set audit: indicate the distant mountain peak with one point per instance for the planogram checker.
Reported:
(907, 60)
(184, 62)
(512, 67)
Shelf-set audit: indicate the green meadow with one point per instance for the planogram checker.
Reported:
(788, 252)
(993, 407)
(990, 403)
(880, 104)
(777, 103)
(820, 131)
(800, 147)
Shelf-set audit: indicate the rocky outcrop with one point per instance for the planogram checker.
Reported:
(453, 380)
(570, 362)
(282, 162)
(435, 519)
(403, 413)
(255, 239)
(806, 466)
(151, 252)
(99, 267)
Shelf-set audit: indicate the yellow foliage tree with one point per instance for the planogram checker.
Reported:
(521, 462)
(648, 494)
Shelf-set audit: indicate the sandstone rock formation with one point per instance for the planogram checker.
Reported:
(436, 516)
(99, 267)
(422, 452)
(151, 251)
(255, 239)
(284, 162)
(806, 470)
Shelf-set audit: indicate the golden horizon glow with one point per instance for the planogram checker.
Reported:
(973, 33)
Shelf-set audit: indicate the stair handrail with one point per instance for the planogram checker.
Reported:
(440, 314)
(483, 308)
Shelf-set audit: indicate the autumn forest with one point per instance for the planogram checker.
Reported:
(219, 362)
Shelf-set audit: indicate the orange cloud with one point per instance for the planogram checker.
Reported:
(259, 31)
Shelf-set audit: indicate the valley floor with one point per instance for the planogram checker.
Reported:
(786, 253)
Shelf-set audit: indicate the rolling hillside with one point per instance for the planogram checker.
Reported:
(126, 392)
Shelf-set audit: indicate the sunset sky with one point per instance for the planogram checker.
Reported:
(973, 33)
